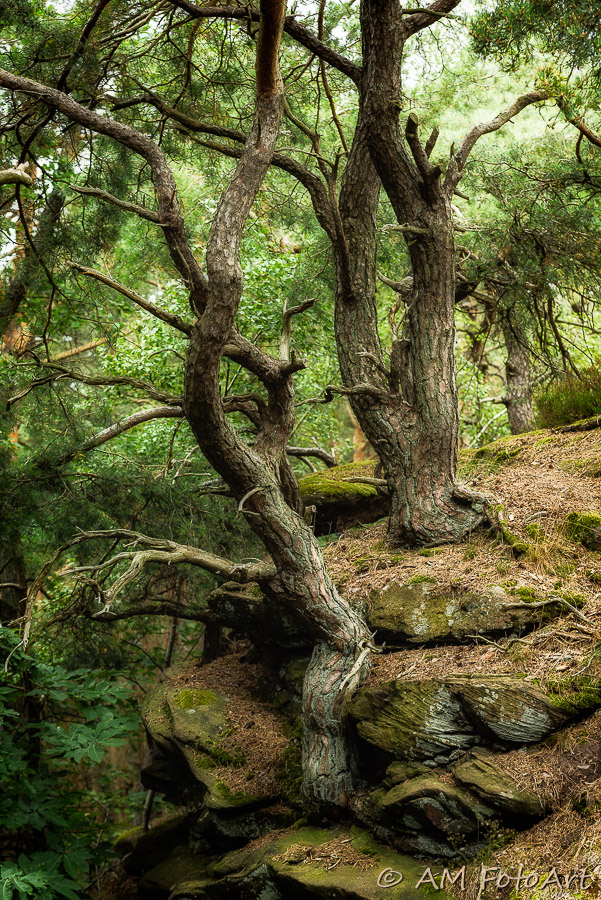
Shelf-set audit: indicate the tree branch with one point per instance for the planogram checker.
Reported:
(317, 452)
(286, 334)
(578, 122)
(170, 318)
(113, 431)
(459, 160)
(122, 204)
(61, 373)
(422, 18)
(169, 212)
(16, 175)
(294, 29)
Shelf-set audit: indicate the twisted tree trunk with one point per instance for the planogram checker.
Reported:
(255, 475)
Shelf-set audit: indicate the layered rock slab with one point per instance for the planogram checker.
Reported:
(436, 721)
(428, 612)
(304, 863)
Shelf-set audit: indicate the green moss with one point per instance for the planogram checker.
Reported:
(577, 600)
(422, 579)
(590, 467)
(544, 441)
(518, 546)
(290, 775)
(234, 799)
(507, 454)
(330, 484)
(593, 576)
(431, 551)
(575, 695)
(536, 532)
(190, 699)
(584, 527)
(526, 594)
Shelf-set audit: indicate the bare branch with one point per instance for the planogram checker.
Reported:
(317, 452)
(16, 175)
(170, 318)
(287, 327)
(428, 172)
(161, 551)
(459, 160)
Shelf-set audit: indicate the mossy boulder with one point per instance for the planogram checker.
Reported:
(437, 720)
(185, 727)
(340, 502)
(142, 850)
(333, 864)
(584, 527)
(303, 864)
(496, 787)
(427, 612)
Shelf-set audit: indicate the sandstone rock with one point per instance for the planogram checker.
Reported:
(480, 773)
(184, 727)
(425, 803)
(435, 721)
(338, 501)
(428, 612)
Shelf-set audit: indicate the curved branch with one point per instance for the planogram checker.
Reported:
(423, 18)
(170, 318)
(15, 175)
(60, 372)
(317, 452)
(459, 160)
(113, 431)
(169, 212)
(122, 204)
(292, 28)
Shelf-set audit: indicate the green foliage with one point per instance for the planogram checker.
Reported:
(571, 398)
(568, 28)
(55, 726)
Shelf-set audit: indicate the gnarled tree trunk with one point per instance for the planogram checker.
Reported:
(340, 657)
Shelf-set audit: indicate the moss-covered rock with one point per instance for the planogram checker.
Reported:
(435, 721)
(496, 787)
(142, 850)
(185, 727)
(584, 527)
(426, 612)
(302, 865)
(340, 502)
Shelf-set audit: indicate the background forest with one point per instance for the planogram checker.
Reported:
(101, 456)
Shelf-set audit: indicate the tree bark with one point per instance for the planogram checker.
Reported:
(518, 389)
(408, 409)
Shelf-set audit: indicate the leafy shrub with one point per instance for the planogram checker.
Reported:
(571, 398)
(54, 725)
